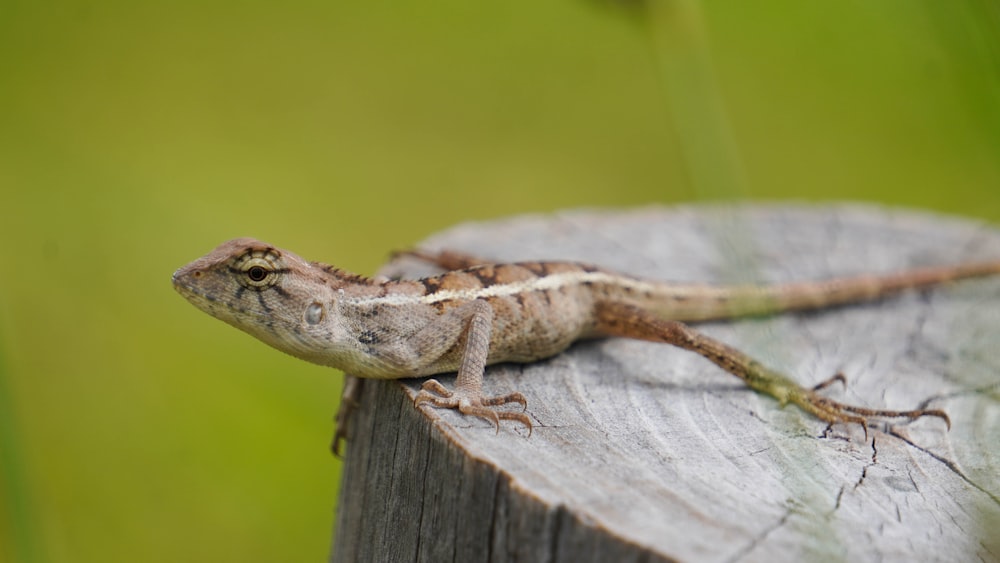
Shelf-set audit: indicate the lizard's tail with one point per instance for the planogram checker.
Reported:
(701, 303)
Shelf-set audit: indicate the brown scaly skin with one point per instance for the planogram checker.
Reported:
(479, 314)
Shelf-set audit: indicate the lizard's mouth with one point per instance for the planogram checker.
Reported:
(190, 291)
(190, 284)
(193, 285)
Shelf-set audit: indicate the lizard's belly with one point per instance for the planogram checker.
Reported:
(538, 343)
(526, 327)
(530, 348)
(539, 326)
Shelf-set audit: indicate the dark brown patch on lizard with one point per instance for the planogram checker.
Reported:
(540, 269)
(519, 298)
(442, 305)
(486, 275)
(431, 285)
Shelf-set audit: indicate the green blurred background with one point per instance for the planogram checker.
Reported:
(135, 136)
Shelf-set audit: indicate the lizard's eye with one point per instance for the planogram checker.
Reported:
(256, 273)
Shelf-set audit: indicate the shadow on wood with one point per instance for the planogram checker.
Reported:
(642, 452)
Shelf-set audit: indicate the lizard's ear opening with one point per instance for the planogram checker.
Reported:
(315, 313)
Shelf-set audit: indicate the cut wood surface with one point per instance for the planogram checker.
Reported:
(644, 452)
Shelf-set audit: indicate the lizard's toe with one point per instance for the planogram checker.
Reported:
(837, 378)
(473, 404)
(437, 395)
(514, 397)
(833, 412)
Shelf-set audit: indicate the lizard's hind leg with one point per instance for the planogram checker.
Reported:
(619, 319)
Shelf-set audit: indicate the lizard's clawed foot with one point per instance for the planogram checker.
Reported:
(837, 378)
(473, 403)
(833, 411)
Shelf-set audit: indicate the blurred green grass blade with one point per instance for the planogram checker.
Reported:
(681, 48)
(19, 542)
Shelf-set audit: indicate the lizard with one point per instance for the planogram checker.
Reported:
(478, 313)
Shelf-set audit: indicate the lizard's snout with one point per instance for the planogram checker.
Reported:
(186, 278)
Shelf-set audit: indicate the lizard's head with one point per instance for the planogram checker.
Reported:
(269, 293)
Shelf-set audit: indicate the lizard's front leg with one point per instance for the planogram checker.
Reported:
(348, 404)
(619, 319)
(468, 396)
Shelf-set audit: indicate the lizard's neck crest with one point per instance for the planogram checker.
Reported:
(342, 278)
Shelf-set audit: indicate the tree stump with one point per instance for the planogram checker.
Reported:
(644, 452)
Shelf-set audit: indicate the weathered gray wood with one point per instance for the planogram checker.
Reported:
(642, 452)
